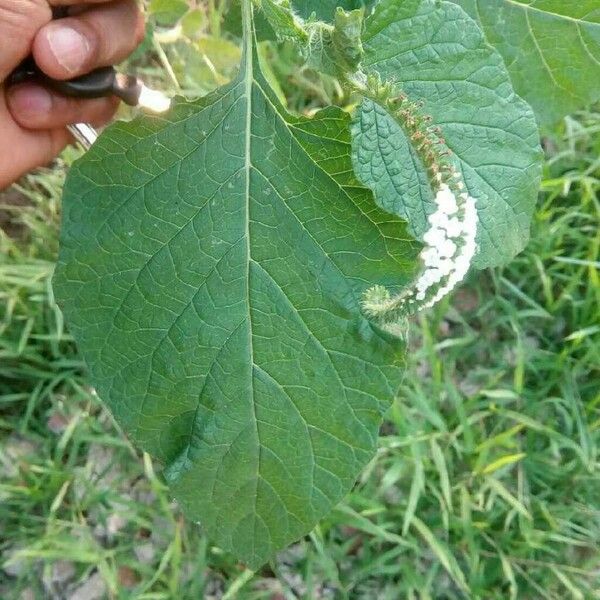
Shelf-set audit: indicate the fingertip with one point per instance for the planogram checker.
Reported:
(36, 108)
(65, 48)
(99, 36)
(29, 104)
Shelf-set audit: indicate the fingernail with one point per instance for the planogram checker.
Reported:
(69, 47)
(30, 100)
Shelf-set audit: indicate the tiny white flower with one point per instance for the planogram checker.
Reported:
(430, 257)
(436, 275)
(447, 249)
(438, 219)
(446, 266)
(446, 201)
(433, 236)
(454, 228)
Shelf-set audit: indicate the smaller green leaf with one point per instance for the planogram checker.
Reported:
(346, 39)
(324, 10)
(440, 57)
(167, 12)
(223, 54)
(284, 22)
(205, 64)
(551, 49)
(332, 49)
(385, 158)
(336, 49)
(192, 24)
(232, 23)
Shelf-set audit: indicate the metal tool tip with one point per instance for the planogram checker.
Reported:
(153, 100)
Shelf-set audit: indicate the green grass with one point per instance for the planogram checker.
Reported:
(487, 483)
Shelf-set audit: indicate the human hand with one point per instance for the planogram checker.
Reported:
(32, 119)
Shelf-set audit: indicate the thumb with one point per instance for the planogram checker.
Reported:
(20, 20)
(22, 149)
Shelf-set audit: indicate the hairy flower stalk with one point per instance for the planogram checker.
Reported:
(450, 240)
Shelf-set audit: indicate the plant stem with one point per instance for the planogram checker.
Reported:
(247, 29)
(214, 18)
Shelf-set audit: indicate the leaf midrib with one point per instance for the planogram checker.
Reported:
(248, 66)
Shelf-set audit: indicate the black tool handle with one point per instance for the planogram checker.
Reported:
(100, 83)
(96, 84)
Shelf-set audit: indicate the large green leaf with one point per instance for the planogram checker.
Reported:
(436, 53)
(551, 48)
(211, 271)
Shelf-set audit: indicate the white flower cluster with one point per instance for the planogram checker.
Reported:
(450, 246)
(449, 249)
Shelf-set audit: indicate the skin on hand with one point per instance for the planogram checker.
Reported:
(32, 119)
